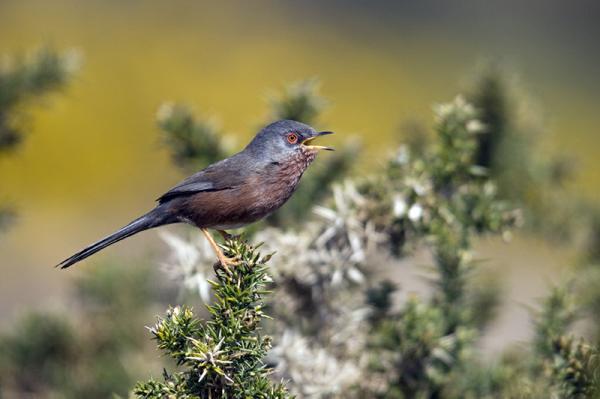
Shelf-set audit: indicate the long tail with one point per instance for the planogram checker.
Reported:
(154, 218)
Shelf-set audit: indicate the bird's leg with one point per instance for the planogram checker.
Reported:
(224, 260)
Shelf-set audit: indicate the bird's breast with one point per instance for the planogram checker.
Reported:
(261, 193)
(272, 187)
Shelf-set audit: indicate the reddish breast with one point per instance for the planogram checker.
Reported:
(262, 193)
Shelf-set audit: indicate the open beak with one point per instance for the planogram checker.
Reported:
(308, 141)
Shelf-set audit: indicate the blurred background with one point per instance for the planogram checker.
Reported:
(93, 156)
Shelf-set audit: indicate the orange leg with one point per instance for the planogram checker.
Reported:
(224, 260)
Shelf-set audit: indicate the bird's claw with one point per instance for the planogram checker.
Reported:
(225, 262)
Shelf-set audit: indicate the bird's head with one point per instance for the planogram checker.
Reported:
(286, 138)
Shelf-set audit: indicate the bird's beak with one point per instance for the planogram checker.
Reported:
(308, 141)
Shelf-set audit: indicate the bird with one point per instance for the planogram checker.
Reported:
(230, 193)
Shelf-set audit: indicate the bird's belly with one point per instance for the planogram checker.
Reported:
(228, 226)
(235, 208)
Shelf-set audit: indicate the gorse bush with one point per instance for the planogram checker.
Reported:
(509, 150)
(222, 357)
(446, 199)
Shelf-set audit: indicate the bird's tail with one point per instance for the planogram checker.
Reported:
(154, 218)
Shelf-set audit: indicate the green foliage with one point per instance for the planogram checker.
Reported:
(90, 352)
(298, 102)
(426, 349)
(537, 183)
(507, 377)
(490, 97)
(21, 81)
(37, 354)
(575, 370)
(194, 143)
(222, 357)
(557, 365)
(441, 191)
(483, 299)
(416, 349)
(379, 298)
(444, 197)
(570, 368)
(557, 313)
(24, 79)
(509, 149)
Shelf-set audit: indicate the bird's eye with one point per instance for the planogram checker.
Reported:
(292, 138)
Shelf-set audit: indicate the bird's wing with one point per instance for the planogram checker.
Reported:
(223, 175)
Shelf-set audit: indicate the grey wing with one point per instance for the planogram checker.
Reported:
(222, 175)
(186, 188)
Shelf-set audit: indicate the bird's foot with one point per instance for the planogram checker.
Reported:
(225, 262)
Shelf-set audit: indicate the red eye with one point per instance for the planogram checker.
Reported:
(292, 138)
